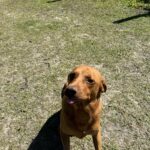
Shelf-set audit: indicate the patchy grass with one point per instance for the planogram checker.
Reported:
(42, 40)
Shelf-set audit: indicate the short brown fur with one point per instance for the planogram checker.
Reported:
(81, 108)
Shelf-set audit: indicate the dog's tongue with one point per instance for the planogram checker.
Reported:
(70, 101)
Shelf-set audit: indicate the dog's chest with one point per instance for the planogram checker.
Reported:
(82, 119)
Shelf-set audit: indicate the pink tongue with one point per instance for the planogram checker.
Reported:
(70, 101)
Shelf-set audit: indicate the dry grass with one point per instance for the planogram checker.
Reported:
(42, 40)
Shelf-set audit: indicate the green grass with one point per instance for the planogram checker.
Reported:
(138, 3)
(40, 42)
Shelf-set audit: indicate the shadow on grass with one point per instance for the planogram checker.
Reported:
(52, 1)
(48, 137)
(146, 14)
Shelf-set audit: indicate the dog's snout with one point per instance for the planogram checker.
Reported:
(70, 92)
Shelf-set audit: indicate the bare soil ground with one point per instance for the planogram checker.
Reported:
(42, 40)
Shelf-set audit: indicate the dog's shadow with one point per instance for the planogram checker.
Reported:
(48, 137)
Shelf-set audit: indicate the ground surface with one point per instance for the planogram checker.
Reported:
(40, 42)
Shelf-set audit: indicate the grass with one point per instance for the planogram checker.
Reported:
(41, 41)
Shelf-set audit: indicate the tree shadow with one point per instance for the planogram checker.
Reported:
(52, 1)
(48, 137)
(145, 14)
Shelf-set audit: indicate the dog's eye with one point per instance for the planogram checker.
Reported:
(89, 80)
(71, 77)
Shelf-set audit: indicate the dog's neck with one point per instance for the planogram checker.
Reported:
(85, 103)
(87, 110)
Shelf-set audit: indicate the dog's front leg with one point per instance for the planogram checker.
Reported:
(97, 140)
(65, 141)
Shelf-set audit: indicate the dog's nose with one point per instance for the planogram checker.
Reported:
(70, 92)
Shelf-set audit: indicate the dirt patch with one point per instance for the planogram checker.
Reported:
(41, 42)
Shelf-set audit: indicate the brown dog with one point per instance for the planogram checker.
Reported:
(81, 107)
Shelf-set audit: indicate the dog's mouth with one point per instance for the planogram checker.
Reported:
(70, 101)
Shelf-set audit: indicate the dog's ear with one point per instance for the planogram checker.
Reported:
(102, 88)
(63, 89)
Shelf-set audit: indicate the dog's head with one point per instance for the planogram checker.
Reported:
(84, 83)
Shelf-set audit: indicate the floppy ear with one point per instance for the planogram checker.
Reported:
(104, 86)
(62, 91)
